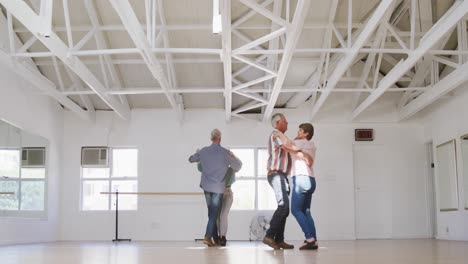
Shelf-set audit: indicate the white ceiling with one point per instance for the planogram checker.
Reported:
(188, 26)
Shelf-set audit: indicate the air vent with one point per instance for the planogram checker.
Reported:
(94, 157)
(33, 157)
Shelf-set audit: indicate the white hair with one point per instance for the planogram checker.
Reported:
(275, 118)
(215, 134)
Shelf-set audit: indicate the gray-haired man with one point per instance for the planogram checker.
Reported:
(215, 161)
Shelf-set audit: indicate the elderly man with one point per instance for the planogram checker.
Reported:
(215, 161)
(278, 166)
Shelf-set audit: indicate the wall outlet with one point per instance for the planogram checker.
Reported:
(154, 225)
(447, 230)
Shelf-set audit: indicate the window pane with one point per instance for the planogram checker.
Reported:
(9, 201)
(32, 195)
(124, 163)
(247, 158)
(126, 201)
(244, 195)
(262, 162)
(92, 199)
(32, 173)
(9, 163)
(90, 173)
(266, 196)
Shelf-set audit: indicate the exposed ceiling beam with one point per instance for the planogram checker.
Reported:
(379, 42)
(444, 86)
(314, 79)
(246, 16)
(33, 22)
(251, 90)
(102, 44)
(349, 57)
(266, 13)
(43, 84)
(245, 38)
(227, 56)
(256, 63)
(77, 83)
(177, 61)
(272, 59)
(177, 27)
(134, 29)
(423, 22)
(27, 44)
(297, 52)
(300, 14)
(66, 13)
(431, 38)
(168, 56)
(260, 40)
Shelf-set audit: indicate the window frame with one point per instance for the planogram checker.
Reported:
(109, 179)
(21, 213)
(256, 178)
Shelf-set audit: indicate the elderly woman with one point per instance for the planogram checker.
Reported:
(302, 151)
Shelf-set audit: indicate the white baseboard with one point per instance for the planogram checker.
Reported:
(411, 237)
(22, 242)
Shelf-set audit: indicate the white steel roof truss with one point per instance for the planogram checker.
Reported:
(134, 29)
(431, 38)
(349, 57)
(33, 22)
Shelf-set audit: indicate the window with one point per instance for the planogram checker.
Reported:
(120, 173)
(23, 172)
(251, 189)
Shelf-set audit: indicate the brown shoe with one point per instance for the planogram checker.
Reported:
(207, 241)
(270, 242)
(285, 245)
(217, 241)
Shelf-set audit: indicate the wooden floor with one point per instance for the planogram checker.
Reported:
(423, 251)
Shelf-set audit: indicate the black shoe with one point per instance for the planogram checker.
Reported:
(222, 241)
(309, 246)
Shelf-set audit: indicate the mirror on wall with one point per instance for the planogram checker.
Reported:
(464, 150)
(23, 170)
(446, 174)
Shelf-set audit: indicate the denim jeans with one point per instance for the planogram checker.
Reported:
(279, 183)
(303, 188)
(213, 202)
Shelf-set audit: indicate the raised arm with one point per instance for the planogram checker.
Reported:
(286, 143)
(302, 155)
(195, 157)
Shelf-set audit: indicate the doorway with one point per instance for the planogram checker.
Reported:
(371, 213)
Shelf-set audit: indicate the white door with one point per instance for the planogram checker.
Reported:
(372, 212)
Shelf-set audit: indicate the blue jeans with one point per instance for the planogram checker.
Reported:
(279, 183)
(213, 202)
(303, 188)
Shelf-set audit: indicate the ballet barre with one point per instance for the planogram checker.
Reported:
(155, 193)
(117, 239)
(7, 193)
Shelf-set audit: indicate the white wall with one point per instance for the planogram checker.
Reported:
(446, 121)
(164, 146)
(23, 107)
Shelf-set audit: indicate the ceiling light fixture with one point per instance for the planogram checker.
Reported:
(217, 21)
